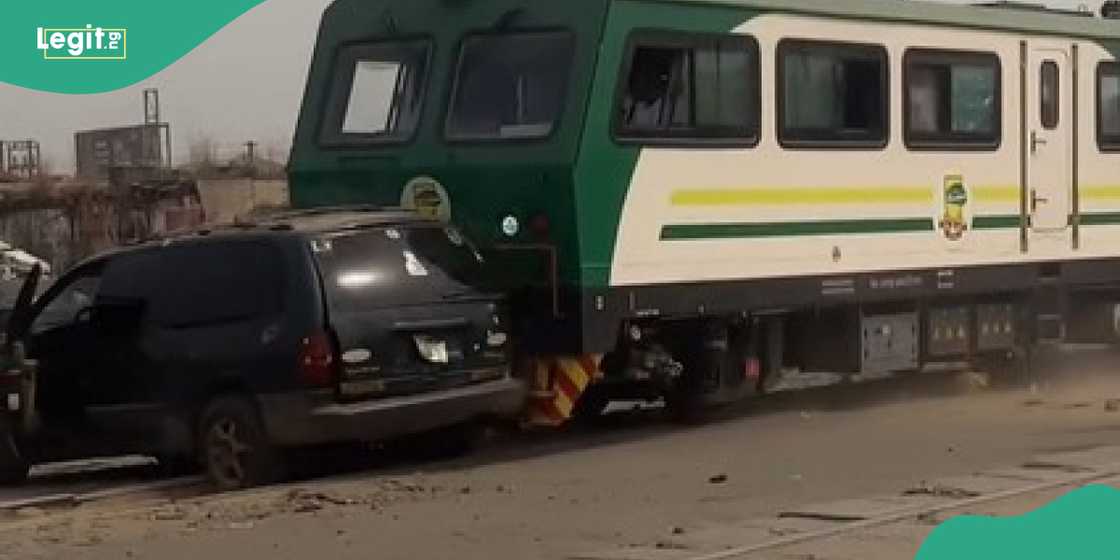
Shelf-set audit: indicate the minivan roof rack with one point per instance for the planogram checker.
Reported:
(321, 210)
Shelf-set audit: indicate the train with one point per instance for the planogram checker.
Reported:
(689, 199)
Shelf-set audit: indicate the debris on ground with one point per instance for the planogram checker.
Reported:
(978, 379)
(30, 511)
(1034, 402)
(303, 501)
(940, 491)
(783, 532)
(173, 513)
(669, 545)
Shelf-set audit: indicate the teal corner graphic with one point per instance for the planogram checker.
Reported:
(78, 46)
(1082, 525)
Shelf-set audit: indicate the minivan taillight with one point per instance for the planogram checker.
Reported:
(317, 363)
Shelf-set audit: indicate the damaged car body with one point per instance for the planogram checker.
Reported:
(228, 347)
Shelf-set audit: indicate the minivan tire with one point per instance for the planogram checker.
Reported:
(14, 474)
(14, 469)
(233, 445)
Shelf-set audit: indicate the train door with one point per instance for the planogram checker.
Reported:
(1049, 137)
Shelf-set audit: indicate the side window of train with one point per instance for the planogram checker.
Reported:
(681, 88)
(1049, 94)
(1108, 106)
(377, 93)
(951, 100)
(832, 95)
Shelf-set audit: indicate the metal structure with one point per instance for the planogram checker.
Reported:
(139, 150)
(140, 146)
(151, 106)
(20, 158)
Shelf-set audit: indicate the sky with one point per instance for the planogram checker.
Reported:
(232, 89)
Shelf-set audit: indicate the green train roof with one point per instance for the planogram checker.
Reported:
(1004, 18)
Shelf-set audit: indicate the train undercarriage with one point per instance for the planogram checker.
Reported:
(694, 364)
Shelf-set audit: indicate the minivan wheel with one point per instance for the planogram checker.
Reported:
(234, 448)
(13, 468)
(12, 475)
(177, 465)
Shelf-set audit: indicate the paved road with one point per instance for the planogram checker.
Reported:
(641, 483)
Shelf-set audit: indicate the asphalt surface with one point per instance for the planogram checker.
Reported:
(637, 481)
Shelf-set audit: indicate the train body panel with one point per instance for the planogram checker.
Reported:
(769, 212)
(603, 224)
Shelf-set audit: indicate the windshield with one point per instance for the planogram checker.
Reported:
(398, 265)
(378, 92)
(510, 86)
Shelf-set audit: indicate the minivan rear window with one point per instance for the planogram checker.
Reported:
(390, 266)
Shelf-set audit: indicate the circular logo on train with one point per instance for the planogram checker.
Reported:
(428, 198)
(954, 222)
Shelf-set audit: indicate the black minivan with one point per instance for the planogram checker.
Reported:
(227, 346)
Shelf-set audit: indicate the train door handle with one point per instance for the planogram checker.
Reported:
(1035, 199)
(1036, 141)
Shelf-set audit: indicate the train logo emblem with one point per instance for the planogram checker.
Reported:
(953, 223)
(428, 198)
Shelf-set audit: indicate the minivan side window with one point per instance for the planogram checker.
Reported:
(63, 308)
(198, 285)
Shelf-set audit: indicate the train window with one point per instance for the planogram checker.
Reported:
(832, 95)
(688, 87)
(510, 86)
(377, 93)
(952, 100)
(1049, 87)
(1108, 106)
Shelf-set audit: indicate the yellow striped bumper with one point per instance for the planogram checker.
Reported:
(557, 382)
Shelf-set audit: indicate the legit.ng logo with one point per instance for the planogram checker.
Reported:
(88, 43)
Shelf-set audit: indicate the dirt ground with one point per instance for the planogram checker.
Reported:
(638, 482)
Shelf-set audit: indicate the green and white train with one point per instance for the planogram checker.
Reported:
(688, 197)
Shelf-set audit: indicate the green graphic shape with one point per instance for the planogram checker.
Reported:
(158, 34)
(1081, 525)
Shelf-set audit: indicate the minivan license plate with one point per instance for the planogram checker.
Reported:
(432, 349)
